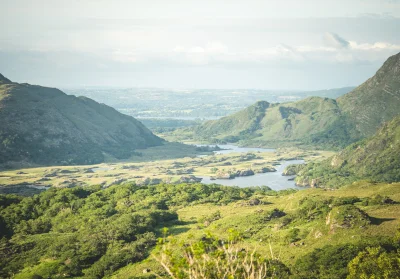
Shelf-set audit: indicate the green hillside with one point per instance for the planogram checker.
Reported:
(376, 158)
(113, 233)
(375, 101)
(273, 124)
(41, 125)
(315, 121)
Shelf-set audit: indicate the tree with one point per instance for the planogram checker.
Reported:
(375, 263)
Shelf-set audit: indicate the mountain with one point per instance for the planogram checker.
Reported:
(4, 80)
(375, 101)
(264, 122)
(314, 120)
(41, 125)
(376, 158)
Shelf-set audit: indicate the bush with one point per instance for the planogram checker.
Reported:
(214, 258)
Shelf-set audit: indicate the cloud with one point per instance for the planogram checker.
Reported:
(334, 40)
(374, 46)
(336, 50)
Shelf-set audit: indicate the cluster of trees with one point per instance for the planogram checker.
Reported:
(90, 231)
(211, 257)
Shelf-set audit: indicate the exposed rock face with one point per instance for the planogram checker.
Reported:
(44, 126)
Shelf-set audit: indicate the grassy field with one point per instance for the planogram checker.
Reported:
(167, 170)
(271, 238)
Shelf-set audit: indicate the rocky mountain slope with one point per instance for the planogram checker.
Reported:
(41, 125)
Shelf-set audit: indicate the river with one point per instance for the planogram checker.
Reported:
(274, 180)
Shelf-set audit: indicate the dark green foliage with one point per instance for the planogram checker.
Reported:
(273, 214)
(331, 262)
(377, 200)
(348, 216)
(337, 135)
(92, 232)
(375, 263)
(311, 208)
(327, 262)
(211, 218)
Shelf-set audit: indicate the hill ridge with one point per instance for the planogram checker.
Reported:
(42, 125)
(316, 121)
(4, 80)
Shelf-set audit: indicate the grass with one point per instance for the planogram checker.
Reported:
(269, 237)
(165, 169)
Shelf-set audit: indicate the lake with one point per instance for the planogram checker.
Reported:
(274, 180)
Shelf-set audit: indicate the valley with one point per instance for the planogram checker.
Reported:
(180, 170)
(89, 192)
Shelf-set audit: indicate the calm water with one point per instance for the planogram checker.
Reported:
(236, 149)
(274, 180)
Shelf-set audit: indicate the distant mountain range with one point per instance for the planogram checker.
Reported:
(40, 125)
(314, 120)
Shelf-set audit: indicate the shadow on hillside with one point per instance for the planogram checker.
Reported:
(378, 221)
(178, 227)
(178, 230)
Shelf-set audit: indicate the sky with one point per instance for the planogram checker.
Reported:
(260, 44)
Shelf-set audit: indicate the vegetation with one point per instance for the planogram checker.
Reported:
(135, 225)
(375, 101)
(312, 122)
(375, 158)
(215, 258)
(152, 166)
(94, 233)
(45, 126)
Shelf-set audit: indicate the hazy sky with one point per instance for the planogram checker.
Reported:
(271, 44)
